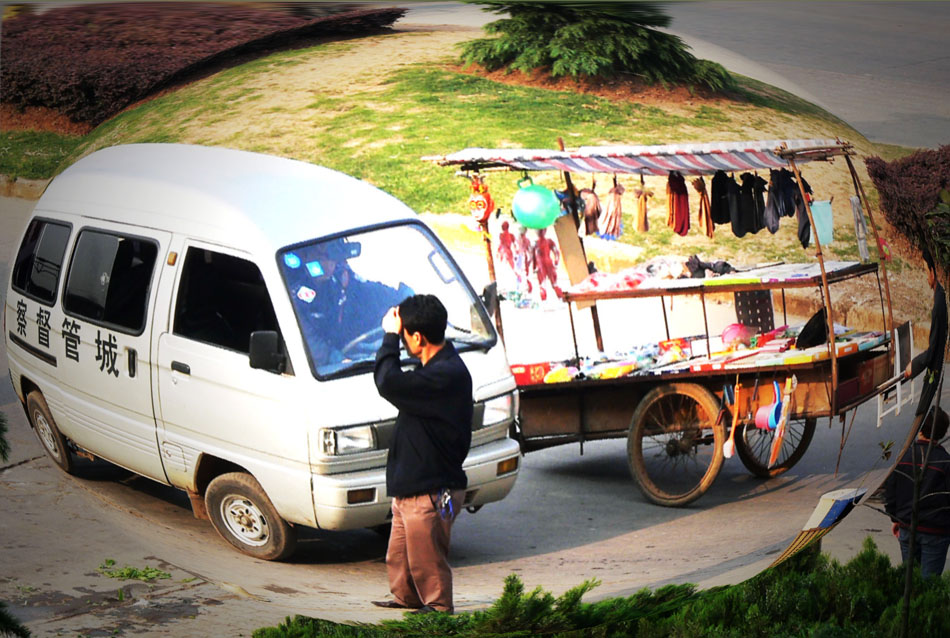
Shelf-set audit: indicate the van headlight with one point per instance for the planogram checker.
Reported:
(360, 438)
(500, 409)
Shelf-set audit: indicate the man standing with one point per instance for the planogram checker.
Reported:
(931, 360)
(933, 526)
(431, 438)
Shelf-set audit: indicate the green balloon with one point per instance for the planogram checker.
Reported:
(535, 206)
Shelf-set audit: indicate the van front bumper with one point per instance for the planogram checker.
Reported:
(333, 494)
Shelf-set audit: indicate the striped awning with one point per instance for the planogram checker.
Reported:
(688, 159)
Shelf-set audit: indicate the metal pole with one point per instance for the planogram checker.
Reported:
(824, 286)
(702, 298)
(666, 324)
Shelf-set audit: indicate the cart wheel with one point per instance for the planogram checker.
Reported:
(675, 443)
(754, 446)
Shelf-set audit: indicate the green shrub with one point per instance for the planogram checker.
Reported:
(591, 40)
(808, 595)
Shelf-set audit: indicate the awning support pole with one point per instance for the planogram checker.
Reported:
(826, 292)
(572, 193)
(882, 263)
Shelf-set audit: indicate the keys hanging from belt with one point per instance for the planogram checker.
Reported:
(445, 506)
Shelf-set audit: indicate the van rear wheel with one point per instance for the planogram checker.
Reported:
(49, 435)
(243, 515)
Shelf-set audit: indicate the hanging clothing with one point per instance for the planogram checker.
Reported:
(782, 189)
(704, 216)
(860, 229)
(642, 221)
(804, 226)
(677, 204)
(613, 219)
(752, 202)
(592, 209)
(771, 213)
(720, 201)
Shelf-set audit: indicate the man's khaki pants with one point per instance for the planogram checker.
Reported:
(417, 557)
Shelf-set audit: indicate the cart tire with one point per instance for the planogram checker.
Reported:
(674, 446)
(754, 446)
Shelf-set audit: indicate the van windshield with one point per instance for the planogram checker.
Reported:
(341, 288)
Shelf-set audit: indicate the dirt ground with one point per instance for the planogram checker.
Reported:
(362, 63)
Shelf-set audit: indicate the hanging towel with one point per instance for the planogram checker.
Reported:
(642, 221)
(677, 204)
(704, 217)
(860, 229)
(821, 213)
(613, 218)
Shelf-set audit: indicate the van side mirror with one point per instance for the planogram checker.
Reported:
(490, 296)
(266, 352)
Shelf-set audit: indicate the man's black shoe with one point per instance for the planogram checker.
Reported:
(425, 609)
(389, 604)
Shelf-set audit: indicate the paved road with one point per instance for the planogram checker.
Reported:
(883, 67)
(570, 517)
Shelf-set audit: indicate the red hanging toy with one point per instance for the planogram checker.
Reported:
(480, 202)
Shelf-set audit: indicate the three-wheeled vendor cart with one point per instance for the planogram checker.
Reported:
(681, 416)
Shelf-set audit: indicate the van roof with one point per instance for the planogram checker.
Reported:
(238, 198)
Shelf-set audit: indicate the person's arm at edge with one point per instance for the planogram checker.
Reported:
(938, 324)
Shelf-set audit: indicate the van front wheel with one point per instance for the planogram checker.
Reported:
(49, 435)
(243, 515)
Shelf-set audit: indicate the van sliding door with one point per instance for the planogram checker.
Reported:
(106, 394)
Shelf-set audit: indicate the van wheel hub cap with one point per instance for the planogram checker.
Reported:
(46, 434)
(244, 520)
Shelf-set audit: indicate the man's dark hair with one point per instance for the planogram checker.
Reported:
(935, 425)
(928, 259)
(424, 314)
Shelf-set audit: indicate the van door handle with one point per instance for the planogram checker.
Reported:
(133, 358)
(178, 366)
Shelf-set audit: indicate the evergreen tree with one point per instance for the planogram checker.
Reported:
(584, 39)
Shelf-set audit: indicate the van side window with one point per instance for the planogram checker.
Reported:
(40, 260)
(109, 279)
(221, 300)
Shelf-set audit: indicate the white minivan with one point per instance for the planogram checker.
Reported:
(208, 318)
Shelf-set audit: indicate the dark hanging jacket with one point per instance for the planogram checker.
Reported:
(781, 202)
(752, 202)
(723, 199)
(804, 226)
(433, 430)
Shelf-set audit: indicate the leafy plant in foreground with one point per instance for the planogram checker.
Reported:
(147, 574)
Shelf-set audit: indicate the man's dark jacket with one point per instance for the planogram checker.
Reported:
(931, 360)
(434, 427)
(934, 512)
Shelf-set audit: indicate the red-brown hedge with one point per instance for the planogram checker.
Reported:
(910, 187)
(91, 61)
